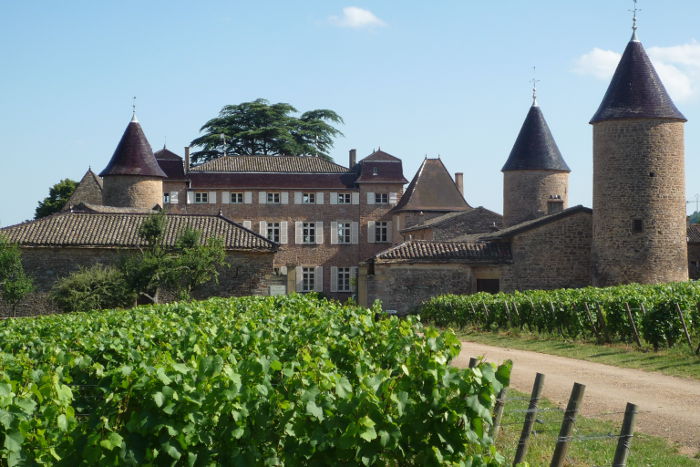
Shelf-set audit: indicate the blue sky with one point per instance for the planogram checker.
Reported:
(448, 78)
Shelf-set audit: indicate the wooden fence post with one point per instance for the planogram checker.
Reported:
(626, 435)
(473, 362)
(634, 326)
(593, 323)
(554, 317)
(685, 327)
(498, 413)
(567, 425)
(602, 325)
(529, 419)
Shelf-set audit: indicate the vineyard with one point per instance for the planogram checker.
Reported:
(663, 315)
(252, 381)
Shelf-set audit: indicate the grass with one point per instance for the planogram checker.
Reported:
(645, 450)
(679, 361)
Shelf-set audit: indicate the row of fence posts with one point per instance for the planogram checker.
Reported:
(567, 426)
(599, 325)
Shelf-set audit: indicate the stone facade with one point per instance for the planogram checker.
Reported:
(551, 256)
(248, 273)
(639, 229)
(132, 191)
(528, 194)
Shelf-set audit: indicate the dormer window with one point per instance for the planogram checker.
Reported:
(375, 171)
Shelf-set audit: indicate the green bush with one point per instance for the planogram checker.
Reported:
(95, 288)
(289, 380)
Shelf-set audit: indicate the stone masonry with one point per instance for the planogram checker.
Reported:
(132, 191)
(528, 193)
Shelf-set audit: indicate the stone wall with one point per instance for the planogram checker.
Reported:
(248, 273)
(551, 256)
(132, 191)
(526, 193)
(639, 226)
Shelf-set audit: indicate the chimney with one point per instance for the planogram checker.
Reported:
(187, 159)
(459, 181)
(353, 157)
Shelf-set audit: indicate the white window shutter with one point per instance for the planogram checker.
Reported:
(319, 232)
(297, 197)
(334, 279)
(334, 198)
(299, 278)
(263, 228)
(283, 233)
(388, 232)
(354, 233)
(262, 197)
(248, 224)
(370, 197)
(298, 233)
(393, 198)
(190, 197)
(318, 279)
(334, 233)
(226, 197)
(355, 198)
(248, 197)
(370, 232)
(353, 278)
(173, 197)
(283, 270)
(319, 197)
(212, 197)
(284, 197)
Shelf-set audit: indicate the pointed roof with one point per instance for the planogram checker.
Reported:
(380, 156)
(379, 167)
(89, 190)
(133, 155)
(535, 148)
(432, 189)
(166, 155)
(636, 91)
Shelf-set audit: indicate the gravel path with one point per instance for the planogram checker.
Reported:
(669, 406)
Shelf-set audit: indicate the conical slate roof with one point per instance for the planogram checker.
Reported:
(133, 155)
(636, 90)
(535, 148)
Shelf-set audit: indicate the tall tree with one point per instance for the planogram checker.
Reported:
(59, 194)
(14, 283)
(261, 128)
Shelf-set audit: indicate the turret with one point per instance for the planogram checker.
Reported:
(535, 176)
(639, 232)
(133, 177)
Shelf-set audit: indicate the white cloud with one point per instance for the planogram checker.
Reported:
(354, 17)
(678, 67)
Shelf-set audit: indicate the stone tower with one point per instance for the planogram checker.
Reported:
(639, 231)
(133, 177)
(535, 176)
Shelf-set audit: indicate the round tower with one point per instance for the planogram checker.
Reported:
(133, 177)
(639, 228)
(535, 176)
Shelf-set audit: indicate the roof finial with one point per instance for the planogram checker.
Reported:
(634, 21)
(534, 82)
(133, 110)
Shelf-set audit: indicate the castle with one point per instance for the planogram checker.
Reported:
(305, 224)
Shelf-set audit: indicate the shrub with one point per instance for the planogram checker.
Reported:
(97, 287)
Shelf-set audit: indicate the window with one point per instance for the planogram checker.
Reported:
(308, 279)
(308, 198)
(166, 198)
(273, 198)
(237, 198)
(344, 232)
(381, 198)
(381, 232)
(637, 226)
(308, 232)
(343, 280)
(344, 198)
(273, 231)
(201, 197)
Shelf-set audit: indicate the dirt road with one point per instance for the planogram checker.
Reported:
(669, 406)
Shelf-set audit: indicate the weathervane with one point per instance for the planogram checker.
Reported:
(634, 20)
(133, 110)
(534, 82)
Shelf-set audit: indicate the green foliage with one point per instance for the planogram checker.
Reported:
(694, 218)
(260, 128)
(253, 381)
(587, 312)
(59, 194)
(95, 288)
(14, 283)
